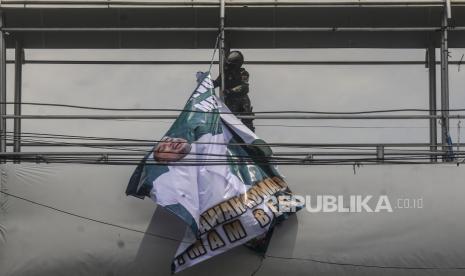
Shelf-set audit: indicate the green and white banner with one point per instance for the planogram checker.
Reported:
(212, 172)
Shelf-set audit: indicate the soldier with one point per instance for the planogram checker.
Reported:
(236, 87)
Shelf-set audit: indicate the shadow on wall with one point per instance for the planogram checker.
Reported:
(284, 237)
(154, 255)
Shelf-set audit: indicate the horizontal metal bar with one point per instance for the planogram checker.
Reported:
(251, 62)
(109, 29)
(333, 29)
(260, 117)
(237, 29)
(197, 62)
(84, 144)
(241, 29)
(227, 3)
(319, 153)
(71, 153)
(282, 158)
(315, 145)
(406, 3)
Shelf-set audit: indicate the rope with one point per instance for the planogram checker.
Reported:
(214, 51)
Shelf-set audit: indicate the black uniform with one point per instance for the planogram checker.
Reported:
(236, 92)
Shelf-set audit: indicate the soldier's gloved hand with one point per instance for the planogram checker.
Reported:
(199, 76)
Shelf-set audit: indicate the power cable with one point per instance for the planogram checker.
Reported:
(292, 145)
(367, 266)
(52, 143)
(257, 112)
(207, 161)
(420, 159)
(89, 219)
(290, 125)
(177, 240)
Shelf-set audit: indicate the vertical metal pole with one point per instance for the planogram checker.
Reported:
(380, 153)
(221, 50)
(2, 86)
(448, 9)
(17, 106)
(444, 81)
(433, 130)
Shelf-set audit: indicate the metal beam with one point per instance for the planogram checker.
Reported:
(433, 132)
(444, 80)
(222, 51)
(448, 9)
(247, 62)
(116, 3)
(327, 158)
(17, 98)
(238, 29)
(259, 116)
(110, 29)
(241, 29)
(299, 145)
(2, 86)
(335, 29)
(379, 153)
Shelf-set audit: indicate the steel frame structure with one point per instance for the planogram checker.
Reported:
(235, 3)
(380, 151)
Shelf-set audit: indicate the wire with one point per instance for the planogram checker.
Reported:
(367, 266)
(290, 126)
(257, 112)
(339, 126)
(237, 159)
(191, 162)
(177, 240)
(53, 143)
(262, 259)
(291, 145)
(90, 219)
(114, 139)
(420, 159)
(214, 51)
(26, 138)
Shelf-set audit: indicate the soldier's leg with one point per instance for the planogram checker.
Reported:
(233, 105)
(247, 109)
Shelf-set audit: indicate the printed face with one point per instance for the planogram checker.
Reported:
(171, 149)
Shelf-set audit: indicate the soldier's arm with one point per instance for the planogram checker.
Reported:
(242, 88)
(217, 82)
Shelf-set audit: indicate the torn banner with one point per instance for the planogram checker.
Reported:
(211, 172)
